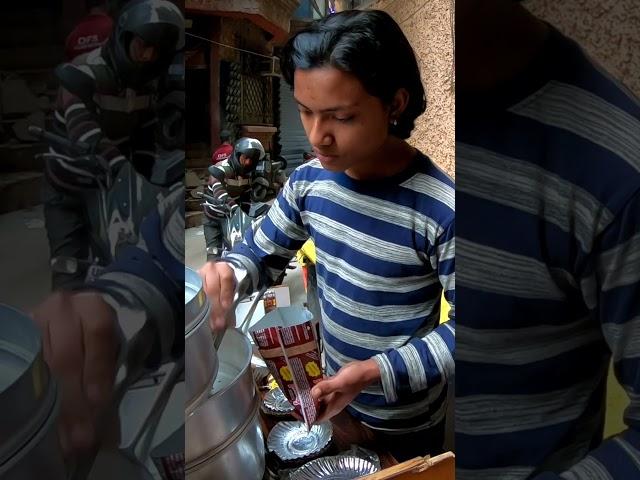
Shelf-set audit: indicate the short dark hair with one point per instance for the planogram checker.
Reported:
(225, 135)
(368, 44)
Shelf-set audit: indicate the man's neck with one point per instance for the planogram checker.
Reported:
(495, 41)
(393, 158)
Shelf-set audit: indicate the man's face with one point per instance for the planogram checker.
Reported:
(141, 52)
(345, 125)
(245, 162)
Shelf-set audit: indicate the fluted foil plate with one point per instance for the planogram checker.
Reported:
(276, 402)
(341, 467)
(291, 441)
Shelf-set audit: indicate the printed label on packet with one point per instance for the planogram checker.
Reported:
(286, 340)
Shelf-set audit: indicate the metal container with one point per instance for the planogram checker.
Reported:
(29, 403)
(224, 432)
(341, 467)
(276, 403)
(243, 457)
(201, 359)
(291, 441)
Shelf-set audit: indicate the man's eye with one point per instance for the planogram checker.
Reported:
(344, 119)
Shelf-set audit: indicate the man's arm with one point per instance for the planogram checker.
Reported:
(612, 288)
(70, 173)
(427, 362)
(266, 252)
(217, 189)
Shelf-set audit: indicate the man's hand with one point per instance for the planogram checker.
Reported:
(335, 393)
(219, 285)
(80, 343)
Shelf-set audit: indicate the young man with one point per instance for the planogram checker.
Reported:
(548, 196)
(381, 215)
(136, 215)
(106, 101)
(232, 181)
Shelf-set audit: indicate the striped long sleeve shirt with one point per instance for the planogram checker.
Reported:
(385, 253)
(226, 186)
(91, 108)
(548, 189)
(78, 124)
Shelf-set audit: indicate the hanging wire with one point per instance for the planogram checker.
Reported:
(270, 57)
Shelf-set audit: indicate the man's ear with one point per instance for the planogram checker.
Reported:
(399, 103)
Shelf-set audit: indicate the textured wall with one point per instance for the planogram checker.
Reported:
(428, 26)
(609, 30)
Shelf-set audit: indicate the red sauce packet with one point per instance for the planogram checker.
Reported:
(287, 342)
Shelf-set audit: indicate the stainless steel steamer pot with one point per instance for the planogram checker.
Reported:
(223, 436)
(201, 359)
(29, 403)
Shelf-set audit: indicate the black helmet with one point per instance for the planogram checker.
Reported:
(157, 22)
(250, 147)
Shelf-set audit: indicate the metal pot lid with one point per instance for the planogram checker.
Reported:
(340, 467)
(292, 441)
(195, 301)
(26, 397)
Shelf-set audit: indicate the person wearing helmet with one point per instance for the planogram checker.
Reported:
(135, 217)
(232, 181)
(107, 100)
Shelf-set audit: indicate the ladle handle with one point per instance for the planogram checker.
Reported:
(217, 338)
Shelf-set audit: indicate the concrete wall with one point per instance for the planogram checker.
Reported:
(609, 30)
(428, 24)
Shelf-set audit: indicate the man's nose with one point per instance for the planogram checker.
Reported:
(319, 136)
(147, 53)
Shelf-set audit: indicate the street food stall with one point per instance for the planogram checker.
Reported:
(247, 427)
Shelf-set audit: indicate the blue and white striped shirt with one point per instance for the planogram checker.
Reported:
(385, 252)
(548, 189)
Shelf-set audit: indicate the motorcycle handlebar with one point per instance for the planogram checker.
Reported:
(81, 148)
(209, 198)
(216, 202)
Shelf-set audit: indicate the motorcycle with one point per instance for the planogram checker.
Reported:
(236, 222)
(251, 213)
(117, 204)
